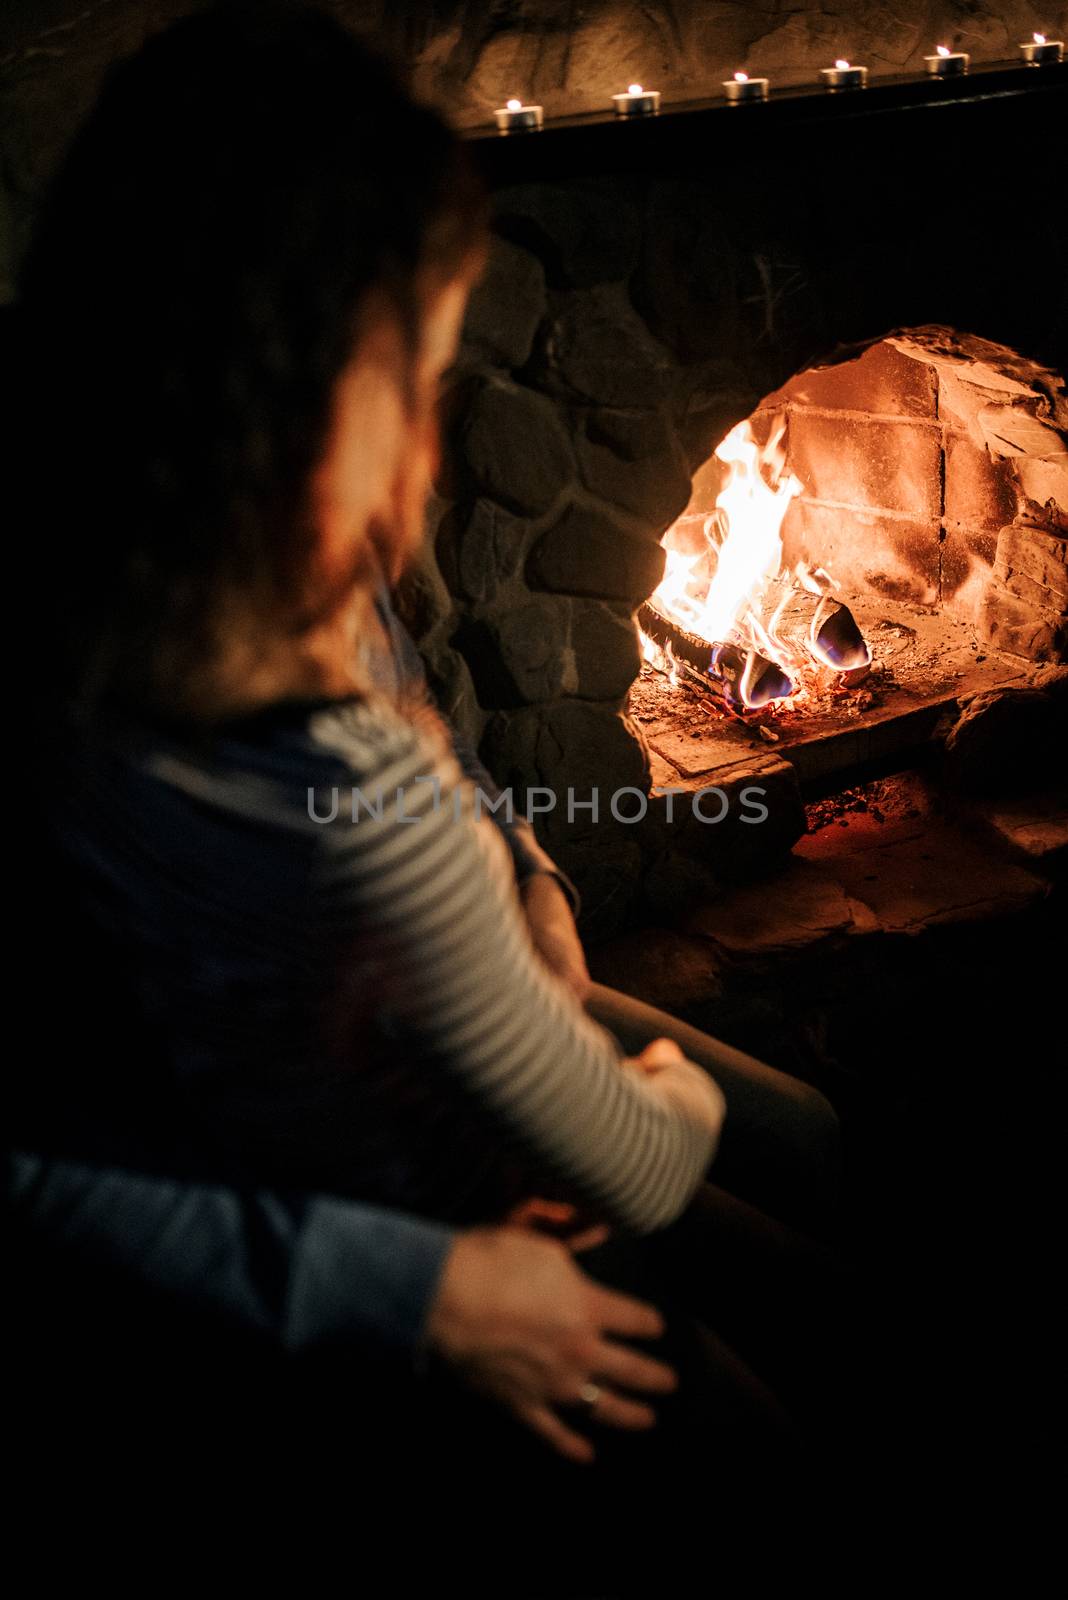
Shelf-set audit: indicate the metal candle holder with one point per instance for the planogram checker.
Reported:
(844, 76)
(742, 87)
(637, 102)
(947, 63)
(1040, 51)
(515, 117)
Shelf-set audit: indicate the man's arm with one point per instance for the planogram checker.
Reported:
(508, 1312)
(304, 1272)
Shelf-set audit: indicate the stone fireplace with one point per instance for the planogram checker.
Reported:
(628, 320)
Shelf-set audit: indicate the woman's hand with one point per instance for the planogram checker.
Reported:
(684, 1082)
(517, 1319)
(553, 932)
(658, 1055)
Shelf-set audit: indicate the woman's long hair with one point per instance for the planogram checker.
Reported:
(193, 293)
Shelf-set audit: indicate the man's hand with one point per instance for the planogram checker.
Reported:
(518, 1320)
(553, 932)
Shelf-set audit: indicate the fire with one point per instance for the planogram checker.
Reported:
(724, 580)
(715, 587)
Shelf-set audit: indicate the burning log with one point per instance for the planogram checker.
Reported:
(742, 676)
(815, 623)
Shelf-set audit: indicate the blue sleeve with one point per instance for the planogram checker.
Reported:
(304, 1272)
(404, 674)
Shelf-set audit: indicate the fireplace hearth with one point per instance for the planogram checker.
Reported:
(925, 479)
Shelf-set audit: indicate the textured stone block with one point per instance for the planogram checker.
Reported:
(599, 351)
(967, 564)
(1033, 564)
(572, 744)
(883, 381)
(735, 845)
(881, 466)
(981, 490)
(479, 547)
(519, 655)
(895, 557)
(506, 307)
(452, 688)
(1022, 629)
(589, 553)
(653, 485)
(604, 643)
(1003, 734)
(937, 879)
(800, 907)
(512, 445)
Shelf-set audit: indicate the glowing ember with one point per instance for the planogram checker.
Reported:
(723, 581)
(843, 66)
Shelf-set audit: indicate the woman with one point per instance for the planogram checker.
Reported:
(239, 307)
(251, 350)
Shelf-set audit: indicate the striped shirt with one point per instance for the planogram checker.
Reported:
(327, 936)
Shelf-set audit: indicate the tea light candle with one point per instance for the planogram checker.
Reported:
(637, 102)
(1041, 50)
(743, 87)
(843, 76)
(947, 63)
(514, 115)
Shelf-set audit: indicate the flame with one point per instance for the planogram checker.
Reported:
(741, 541)
(741, 77)
(843, 66)
(1039, 38)
(514, 105)
(942, 50)
(723, 576)
(635, 88)
(662, 657)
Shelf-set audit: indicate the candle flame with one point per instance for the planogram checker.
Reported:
(514, 105)
(843, 66)
(942, 51)
(741, 77)
(635, 88)
(1039, 38)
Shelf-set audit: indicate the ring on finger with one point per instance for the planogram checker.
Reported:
(589, 1396)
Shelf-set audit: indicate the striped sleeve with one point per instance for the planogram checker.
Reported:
(432, 881)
